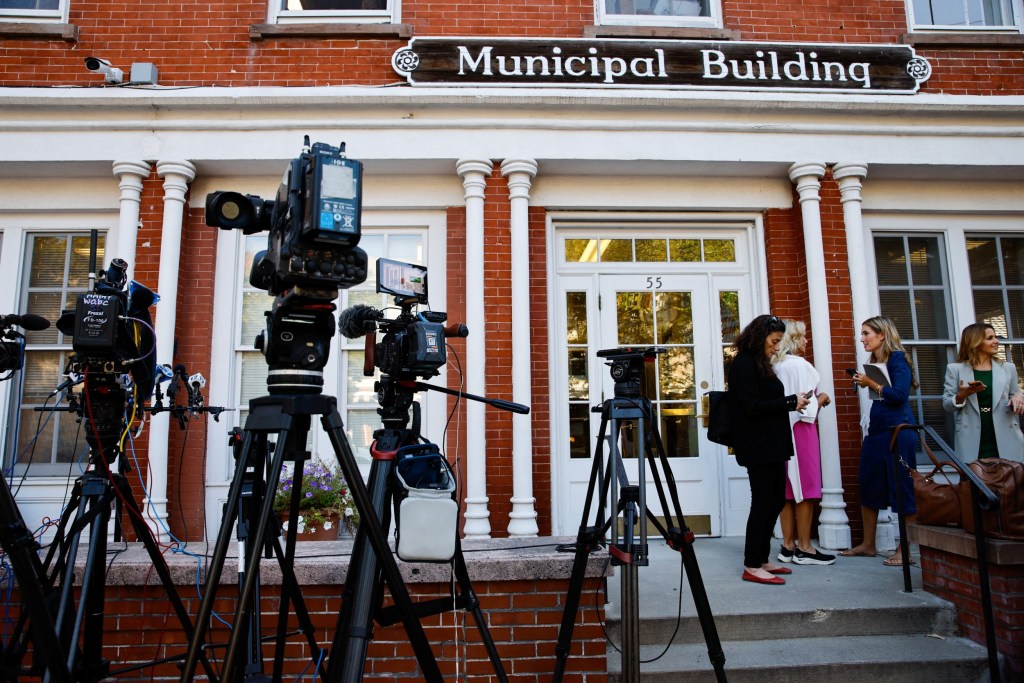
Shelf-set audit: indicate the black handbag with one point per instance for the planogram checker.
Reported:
(719, 427)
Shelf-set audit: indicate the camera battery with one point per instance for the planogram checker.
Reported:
(96, 320)
(426, 346)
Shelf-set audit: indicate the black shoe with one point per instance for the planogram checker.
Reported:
(785, 554)
(817, 557)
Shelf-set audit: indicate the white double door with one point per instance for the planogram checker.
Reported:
(694, 319)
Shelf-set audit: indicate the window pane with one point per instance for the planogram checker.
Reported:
(30, 4)
(78, 272)
(359, 427)
(679, 431)
(988, 309)
(650, 250)
(1016, 299)
(1013, 259)
(581, 251)
(579, 430)
(254, 305)
(676, 372)
(932, 318)
(675, 318)
(635, 319)
(408, 248)
(930, 367)
(896, 305)
(982, 260)
(359, 387)
(576, 317)
(254, 377)
(684, 251)
(729, 309)
(48, 255)
(579, 375)
(890, 261)
(49, 305)
(925, 265)
(659, 8)
(41, 375)
(617, 251)
(719, 251)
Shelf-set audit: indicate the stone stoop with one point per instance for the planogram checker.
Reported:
(845, 623)
(901, 645)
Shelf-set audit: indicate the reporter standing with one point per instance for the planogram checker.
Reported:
(762, 440)
(877, 475)
(986, 401)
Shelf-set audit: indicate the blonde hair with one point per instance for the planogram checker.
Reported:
(796, 332)
(891, 343)
(971, 339)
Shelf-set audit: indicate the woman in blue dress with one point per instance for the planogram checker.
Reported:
(881, 485)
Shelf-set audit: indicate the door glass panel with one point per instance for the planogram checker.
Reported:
(719, 251)
(679, 431)
(675, 318)
(650, 250)
(578, 373)
(677, 375)
(579, 376)
(635, 318)
(576, 317)
(581, 251)
(684, 251)
(579, 431)
(729, 310)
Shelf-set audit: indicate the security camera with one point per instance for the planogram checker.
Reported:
(102, 66)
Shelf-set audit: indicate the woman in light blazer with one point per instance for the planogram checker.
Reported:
(983, 394)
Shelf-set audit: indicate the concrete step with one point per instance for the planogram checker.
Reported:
(931, 618)
(851, 659)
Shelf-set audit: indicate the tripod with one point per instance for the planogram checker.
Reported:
(361, 603)
(627, 502)
(56, 628)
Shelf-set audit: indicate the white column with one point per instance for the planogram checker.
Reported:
(522, 520)
(834, 527)
(474, 174)
(131, 175)
(850, 176)
(177, 175)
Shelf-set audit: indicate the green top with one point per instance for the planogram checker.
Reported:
(987, 448)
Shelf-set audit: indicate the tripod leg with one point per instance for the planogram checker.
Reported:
(143, 533)
(700, 601)
(20, 546)
(473, 605)
(216, 567)
(369, 524)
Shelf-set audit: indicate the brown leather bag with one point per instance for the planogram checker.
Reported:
(1006, 479)
(938, 504)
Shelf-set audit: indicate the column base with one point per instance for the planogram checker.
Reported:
(835, 537)
(522, 521)
(478, 524)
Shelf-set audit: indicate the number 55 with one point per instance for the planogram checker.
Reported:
(653, 282)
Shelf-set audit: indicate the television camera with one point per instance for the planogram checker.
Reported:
(114, 352)
(12, 342)
(314, 227)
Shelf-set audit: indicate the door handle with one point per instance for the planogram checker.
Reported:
(705, 406)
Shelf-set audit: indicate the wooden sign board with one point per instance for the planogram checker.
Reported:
(674, 64)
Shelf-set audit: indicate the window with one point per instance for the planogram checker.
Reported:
(343, 11)
(659, 12)
(913, 291)
(57, 271)
(34, 10)
(996, 265)
(964, 14)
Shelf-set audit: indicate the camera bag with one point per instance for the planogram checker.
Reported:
(426, 514)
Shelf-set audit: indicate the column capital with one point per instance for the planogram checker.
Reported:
(185, 169)
(138, 169)
(849, 169)
(520, 173)
(474, 174)
(510, 166)
(807, 177)
(850, 177)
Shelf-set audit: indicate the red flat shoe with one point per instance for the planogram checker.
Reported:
(775, 580)
(780, 570)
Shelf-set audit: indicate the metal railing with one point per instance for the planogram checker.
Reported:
(982, 499)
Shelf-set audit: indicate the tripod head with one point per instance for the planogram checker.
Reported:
(629, 367)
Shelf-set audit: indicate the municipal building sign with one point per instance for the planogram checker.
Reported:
(677, 64)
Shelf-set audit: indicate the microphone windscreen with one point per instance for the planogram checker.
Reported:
(33, 322)
(351, 321)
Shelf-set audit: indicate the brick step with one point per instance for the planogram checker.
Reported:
(851, 659)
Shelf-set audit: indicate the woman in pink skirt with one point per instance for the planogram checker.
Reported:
(803, 485)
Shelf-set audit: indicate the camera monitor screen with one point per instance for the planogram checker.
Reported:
(404, 280)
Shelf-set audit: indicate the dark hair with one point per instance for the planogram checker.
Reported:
(752, 340)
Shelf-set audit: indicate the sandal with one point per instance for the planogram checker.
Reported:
(897, 562)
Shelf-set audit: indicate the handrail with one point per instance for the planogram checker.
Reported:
(982, 499)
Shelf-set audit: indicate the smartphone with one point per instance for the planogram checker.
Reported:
(809, 394)
(851, 371)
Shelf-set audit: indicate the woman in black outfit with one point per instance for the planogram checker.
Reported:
(762, 440)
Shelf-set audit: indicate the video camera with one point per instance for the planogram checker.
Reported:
(314, 227)
(12, 346)
(114, 346)
(629, 368)
(414, 343)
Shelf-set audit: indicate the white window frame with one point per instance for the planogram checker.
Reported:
(225, 379)
(714, 20)
(389, 15)
(37, 16)
(1016, 8)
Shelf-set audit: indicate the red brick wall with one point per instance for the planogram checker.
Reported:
(523, 619)
(195, 43)
(954, 577)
